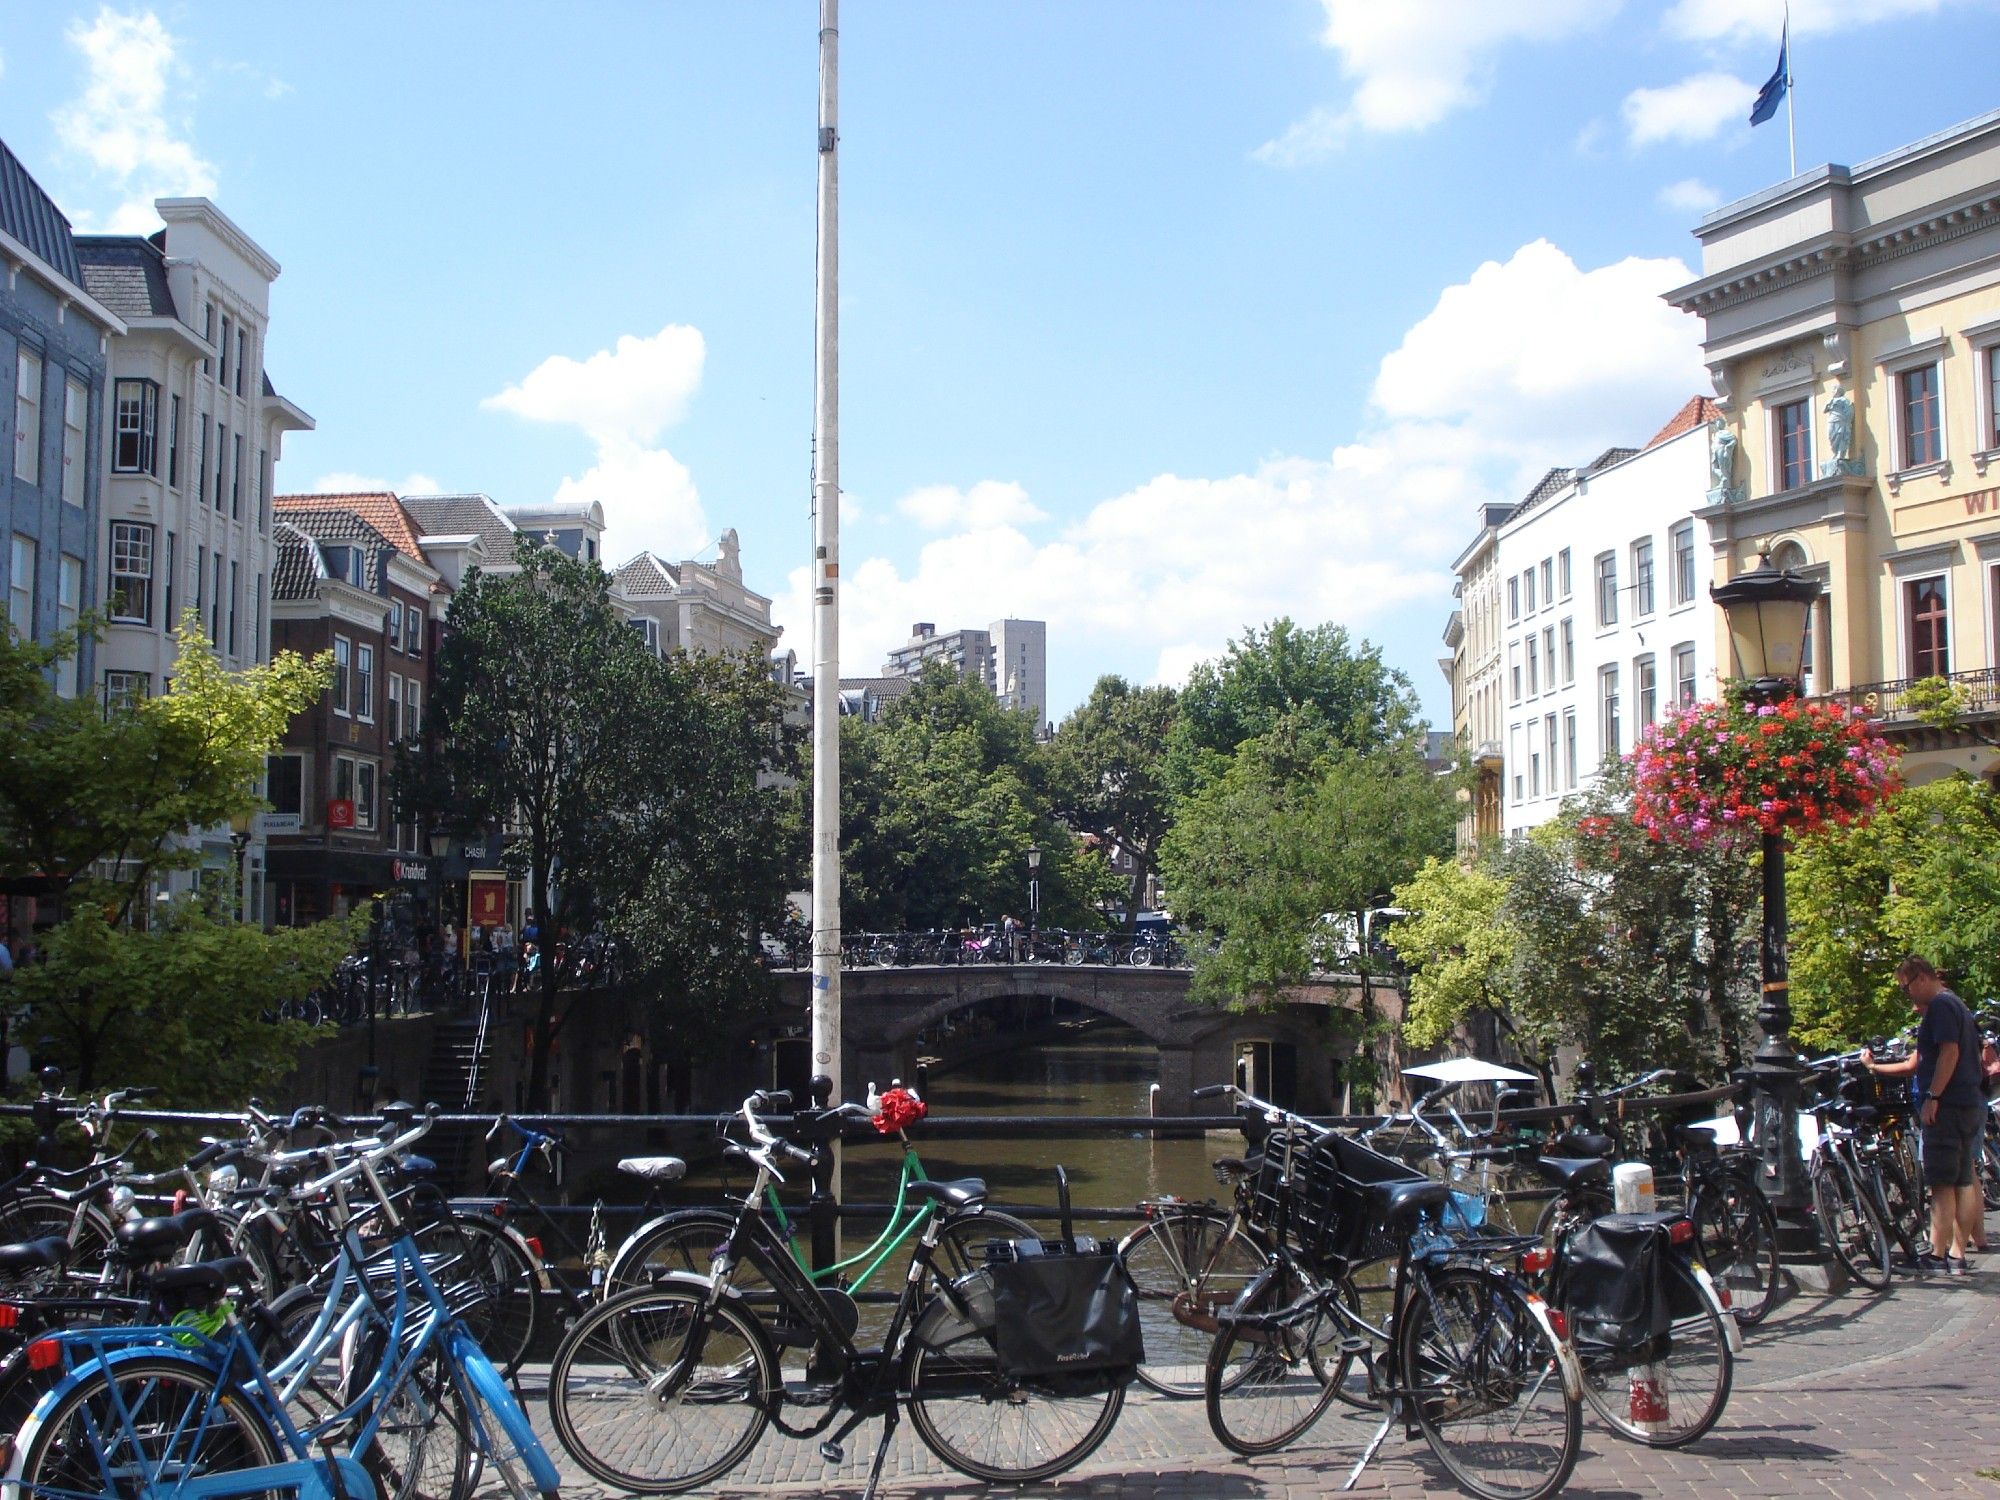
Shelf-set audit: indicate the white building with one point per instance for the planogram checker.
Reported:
(1010, 657)
(196, 430)
(697, 606)
(1605, 614)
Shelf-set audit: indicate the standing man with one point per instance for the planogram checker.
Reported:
(1951, 1109)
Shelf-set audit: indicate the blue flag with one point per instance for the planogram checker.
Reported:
(1773, 92)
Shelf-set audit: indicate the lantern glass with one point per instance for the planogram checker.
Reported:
(1767, 612)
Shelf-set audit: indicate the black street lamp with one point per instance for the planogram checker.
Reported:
(1034, 896)
(1766, 611)
(239, 835)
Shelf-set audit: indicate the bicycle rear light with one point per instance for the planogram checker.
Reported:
(10, 1315)
(1534, 1262)
(1559, 1323)
(43, 1354)
(1681, 1231)
(535, 1244)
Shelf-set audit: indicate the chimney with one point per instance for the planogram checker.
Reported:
(922, 630)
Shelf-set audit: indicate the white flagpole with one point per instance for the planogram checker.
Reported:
(1791, 118)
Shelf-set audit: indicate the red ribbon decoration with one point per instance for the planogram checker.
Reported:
(899, 1108)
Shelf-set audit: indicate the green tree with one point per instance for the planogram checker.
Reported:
(1330, 692)
(1284, 835)
(94, 807)
(614, 770)
(941, 798)
(1108, 774)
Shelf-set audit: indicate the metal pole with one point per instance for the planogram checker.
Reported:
(1775, 1071)
(826, 608)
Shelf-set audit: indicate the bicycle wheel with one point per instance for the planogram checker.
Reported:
(423, 1447)
(1189, 1264)
(1989, 1173)
(488, 1280)
(685, 1242)
(1484, 1383)
(1906, 1210)
(1568, 1211)
(1738, 1237)
(504, 1435)
(1265, 1381)
(655, 1392)
(34, 1215)
(993, 1426)
(1854, 1230)
(146, 1425)
(1689, 1381)
(1369, 1293)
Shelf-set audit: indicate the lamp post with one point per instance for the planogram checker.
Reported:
(1034, 896)
(1766, 612)
(439, 967)
(239, 835)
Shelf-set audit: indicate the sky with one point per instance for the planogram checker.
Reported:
(1159, 319)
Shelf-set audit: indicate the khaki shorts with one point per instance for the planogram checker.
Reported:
(1951, 1145)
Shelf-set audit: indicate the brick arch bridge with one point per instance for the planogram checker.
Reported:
(884, 1011)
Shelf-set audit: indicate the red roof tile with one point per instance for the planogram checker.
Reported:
(381, 510)
(1698, 412)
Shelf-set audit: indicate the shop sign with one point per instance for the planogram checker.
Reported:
(340, 812)
(486, 898)
(275, 822)
(409, 869)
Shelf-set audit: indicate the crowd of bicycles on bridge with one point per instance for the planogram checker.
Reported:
(298, 1305)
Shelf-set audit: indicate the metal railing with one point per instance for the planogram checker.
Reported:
(1978, 693)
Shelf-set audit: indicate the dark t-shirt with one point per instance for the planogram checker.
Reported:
(1947, 1020)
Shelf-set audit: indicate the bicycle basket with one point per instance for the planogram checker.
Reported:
(1331, 1223)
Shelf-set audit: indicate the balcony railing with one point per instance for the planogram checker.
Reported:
(1978, 694)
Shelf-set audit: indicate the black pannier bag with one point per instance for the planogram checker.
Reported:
(1064, 1307)
(1617, 1292)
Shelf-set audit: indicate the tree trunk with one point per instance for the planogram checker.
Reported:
(545, 1000)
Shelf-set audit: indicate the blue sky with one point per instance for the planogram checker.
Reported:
(1160, 319)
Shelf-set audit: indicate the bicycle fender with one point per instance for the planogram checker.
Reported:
(1731, 1334)
(1566, 1360)
(637, 1236)
(491, 1386)
(940, 1322)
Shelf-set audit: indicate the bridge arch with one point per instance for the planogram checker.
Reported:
(1144, 1015)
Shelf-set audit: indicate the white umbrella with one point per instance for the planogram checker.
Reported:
(1468, 1070)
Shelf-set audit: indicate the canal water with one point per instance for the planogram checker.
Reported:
(1094, 1069)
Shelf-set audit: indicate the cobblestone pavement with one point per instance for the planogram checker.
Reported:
(1854, 1395)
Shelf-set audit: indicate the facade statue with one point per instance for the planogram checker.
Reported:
(1721, 459)
(1839, 411)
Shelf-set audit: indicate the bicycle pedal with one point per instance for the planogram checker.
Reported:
(833, 1453)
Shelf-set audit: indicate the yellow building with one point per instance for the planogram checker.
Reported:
(1852, 330)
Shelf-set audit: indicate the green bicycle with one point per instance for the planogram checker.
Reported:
(686, 1240)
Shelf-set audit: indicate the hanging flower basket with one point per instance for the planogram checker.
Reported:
(1718, 771)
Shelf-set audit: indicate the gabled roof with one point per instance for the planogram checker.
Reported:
(1554, 482)
(1609, 457)
(31, 216)
(458, 515)
(298, 568)
(127, 274)
(646, 575)
(344, 528)
(1698, 412)
(380, 509)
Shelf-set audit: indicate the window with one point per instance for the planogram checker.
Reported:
(364, 794)
(1917, 416)
(130, 596)
(76, 421)
(174, 444)
(395, 623)
(21, 587)
(342, 657)
(649, 632)
(207, 331)
(201, 461)
(200, 585)
(285, 784)
(1549, 653)
(1534, 674)
(1607, 590)
(1991, 437)
(1569, 748)
(136, 414)
(221, 459)
(1645, 688)
(1535, 774)
(1929, 622)
(167, 621)
(364, 683)
(242, 358)
(1684, 682)
(1528, 591)
(69, 604)
(1607, 707)
(1569, 651)
(413, 716)
(395, 708)
(1520, 784)
(264, 486)
(236, 479)
(1514, 673)
(1549, 747)
(235, 589)
(257, 622)
(215, 606)
(1793, 422)
(28, 417)
(1513, 600)
(413, 631)
(1562, 571)
(1642, 577)
(121, 688)
(1681, 540)
(222, 372)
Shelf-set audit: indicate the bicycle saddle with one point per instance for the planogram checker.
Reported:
(654, 1168)
(34, 1255)
(153, 1239)
(964, 1192)
(1390, 1201)
(205, 1277)
(1574, 1171)
(1586, 1143)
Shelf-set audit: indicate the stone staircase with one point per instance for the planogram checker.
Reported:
(457, 1076)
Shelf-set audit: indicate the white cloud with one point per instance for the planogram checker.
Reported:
(1527, 363)
(1689, 196)
(121, 122)
(347, 482)
(623, 398)
(1750, 20)
(1695, 109)
(1412, 62)
(988, 503)
(631, 392)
